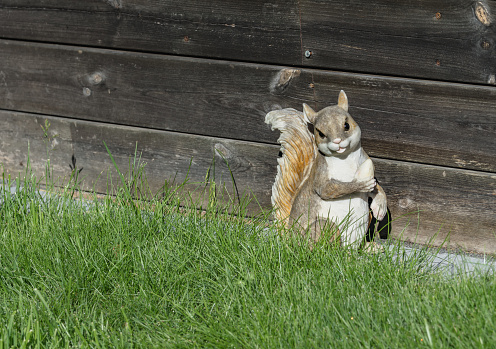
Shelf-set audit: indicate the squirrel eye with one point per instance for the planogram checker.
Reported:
(346, 126)
(321, 134)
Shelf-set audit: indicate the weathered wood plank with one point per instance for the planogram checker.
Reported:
(241, 30)
(449, 40)
(430, 204)
(422, 121)
(462, 200)
(199, 96)
(440, 39)
(170, 157)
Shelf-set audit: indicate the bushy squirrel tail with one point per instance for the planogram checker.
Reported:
(298, 153)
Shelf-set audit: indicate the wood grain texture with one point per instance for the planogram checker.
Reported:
(254, 30)
(431, 204)
(207, 97)
(170, 157)
(450, 200)
(422, 121)
(439, 40)
(451, 40)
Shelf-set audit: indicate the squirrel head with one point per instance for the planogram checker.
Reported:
(335, 131)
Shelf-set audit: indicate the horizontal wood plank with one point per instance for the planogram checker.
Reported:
(168, 157)
(450, 200)
(451, 40)
(422, 121)
(254, 30)
(436, 205)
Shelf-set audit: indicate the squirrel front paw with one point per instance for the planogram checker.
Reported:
(367, 185)
(379, 207)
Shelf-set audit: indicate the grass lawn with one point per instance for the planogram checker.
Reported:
(109, 275)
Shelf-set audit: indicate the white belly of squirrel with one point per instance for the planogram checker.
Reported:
(349, 212)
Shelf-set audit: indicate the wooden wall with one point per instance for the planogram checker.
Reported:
(189, 79)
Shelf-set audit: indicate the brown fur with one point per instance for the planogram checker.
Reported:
(298, 147)
(303, 184)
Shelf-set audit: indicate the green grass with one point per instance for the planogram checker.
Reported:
(111, 275)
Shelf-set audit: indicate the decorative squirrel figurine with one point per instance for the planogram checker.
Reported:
(325, 177)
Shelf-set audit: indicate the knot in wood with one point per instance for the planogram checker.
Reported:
(405, 203)
(283, 79)
(222, 151)
(485, 45)
(482, 13)
(115, 3)
(96, 78)
(492, 79)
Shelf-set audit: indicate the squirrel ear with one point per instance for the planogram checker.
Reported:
(343, 100)
(309, 113)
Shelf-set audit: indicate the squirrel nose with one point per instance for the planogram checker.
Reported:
(337, 140)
